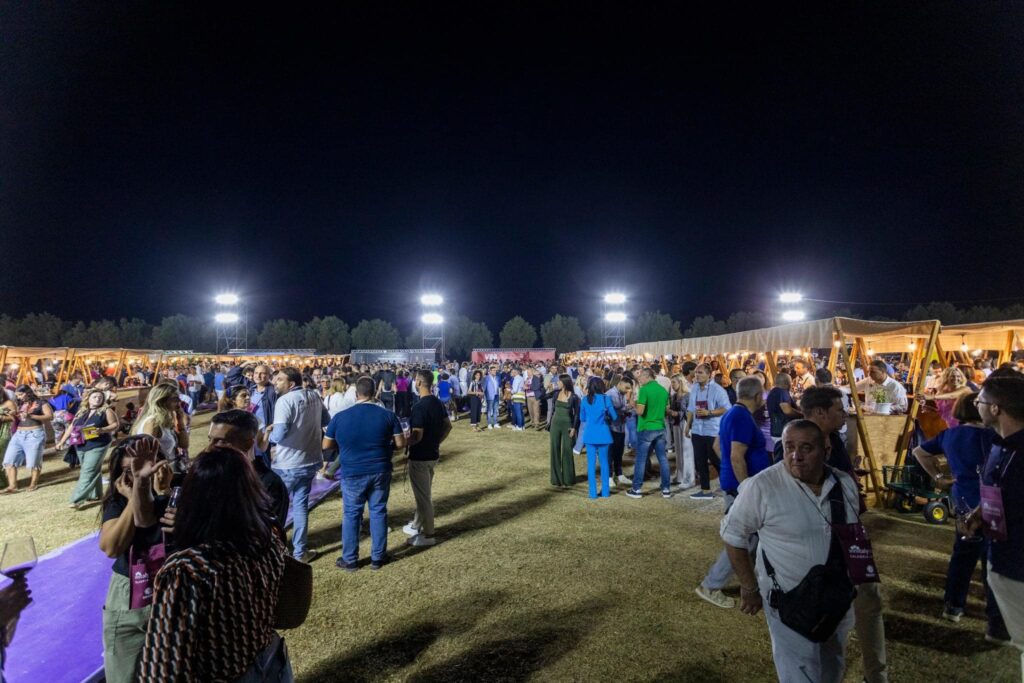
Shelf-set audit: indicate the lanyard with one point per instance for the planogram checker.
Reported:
(997, 481)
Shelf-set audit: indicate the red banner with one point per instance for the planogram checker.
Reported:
(516, 355)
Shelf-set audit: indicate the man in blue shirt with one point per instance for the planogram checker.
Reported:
(708, 402)
(744, 454)
(1001, 405)
(367, 435)
(492, 394)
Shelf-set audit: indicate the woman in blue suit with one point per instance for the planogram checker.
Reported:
(596, 414)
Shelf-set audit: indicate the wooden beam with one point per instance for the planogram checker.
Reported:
(943, 357)
(1006, 353)
(915, 406)
(874, 484)
(833, 356)
(120, 363)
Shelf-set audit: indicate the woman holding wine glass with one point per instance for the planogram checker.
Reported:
(132, 508)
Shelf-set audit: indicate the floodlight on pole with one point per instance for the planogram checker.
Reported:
(615, 299)
(226, 318)
(433, 319)
(793, 316)
(791, 297)
(615, 317)
(431, 299)
(227, 299)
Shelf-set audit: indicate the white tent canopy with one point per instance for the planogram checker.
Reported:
(994, 336)
(884, 337)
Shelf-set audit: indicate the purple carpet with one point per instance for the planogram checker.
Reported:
(60, 635)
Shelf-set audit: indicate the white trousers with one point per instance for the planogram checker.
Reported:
(798, 660)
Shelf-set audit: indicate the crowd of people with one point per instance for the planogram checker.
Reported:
(776, 445)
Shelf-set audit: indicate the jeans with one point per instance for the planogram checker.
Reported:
(578, 445)
(26, 447)
(704, 453)
(595, 452)
(631, 432)
(517, 414)
(615, 452)
(645, 441)
(492, 411)
(298, 481)
(90, 486)
(721, 572)
(371, 490)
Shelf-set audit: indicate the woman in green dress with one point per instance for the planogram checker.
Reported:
(564, 426)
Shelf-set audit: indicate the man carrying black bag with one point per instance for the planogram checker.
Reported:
(811, 546)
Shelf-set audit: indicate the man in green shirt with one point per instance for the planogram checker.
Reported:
(650, 405)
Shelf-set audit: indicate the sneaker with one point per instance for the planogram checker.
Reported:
(702, 495)
(666, 493)
(611, 484)
(950, 613)
(342, 564)
(410, 530)
(377, 564)
(576, 452)
(623, 479)
(715, 597)
(999, 637)
(419, 540)
(308, 556)
(634, 494)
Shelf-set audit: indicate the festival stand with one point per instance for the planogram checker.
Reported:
(881, 439)
(964, 343)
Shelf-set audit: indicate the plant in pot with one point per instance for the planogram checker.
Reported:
(883, 405)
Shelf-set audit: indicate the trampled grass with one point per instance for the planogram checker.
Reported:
(532, 583)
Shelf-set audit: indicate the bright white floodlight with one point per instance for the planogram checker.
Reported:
(226, 299)
(615, 299)
(432, 319)
(793, 316)
(226, 318)
(791, 297)
(615, 317)
(431, 300)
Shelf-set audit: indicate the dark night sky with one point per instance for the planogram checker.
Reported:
(520, 160)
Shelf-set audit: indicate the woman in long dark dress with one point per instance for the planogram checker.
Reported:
(564, 425)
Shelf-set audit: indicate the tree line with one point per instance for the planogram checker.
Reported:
(331, 334)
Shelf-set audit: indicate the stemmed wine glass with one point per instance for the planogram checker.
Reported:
(18, 557)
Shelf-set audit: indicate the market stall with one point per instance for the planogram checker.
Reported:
(878, 439)
(964, 343)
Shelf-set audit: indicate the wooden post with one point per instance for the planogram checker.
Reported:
(3, 357)
(117, 368)
(865, 359)
(875, 486)
(915, 406)
(943, 358)
(833, 356)
(63, 374)
(1007, 351)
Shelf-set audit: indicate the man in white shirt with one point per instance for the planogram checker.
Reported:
(299, 419)
(878, 378)
(789, 507)
(804, 378)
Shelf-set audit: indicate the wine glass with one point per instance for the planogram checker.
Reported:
(18, 557)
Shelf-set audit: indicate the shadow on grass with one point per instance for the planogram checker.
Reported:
(395, 651)
(934, 635)
(705, 673)
(535, 641)
(497, 514)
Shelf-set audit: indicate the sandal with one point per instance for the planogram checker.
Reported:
(9, 490)
(30, 489)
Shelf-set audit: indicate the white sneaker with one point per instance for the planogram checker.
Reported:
(611, 483)
(624, 480)
(576, 452)
(419, 540)
(410, 530)
(715, 597)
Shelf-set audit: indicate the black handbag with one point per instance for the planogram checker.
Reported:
(819, 602)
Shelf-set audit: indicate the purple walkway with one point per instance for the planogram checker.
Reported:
(60, 635)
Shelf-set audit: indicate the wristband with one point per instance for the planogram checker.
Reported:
(749, 590)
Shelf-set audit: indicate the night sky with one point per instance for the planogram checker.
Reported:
(520, 160)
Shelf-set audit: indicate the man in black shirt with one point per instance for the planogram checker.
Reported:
(238, 429)
(429, 425)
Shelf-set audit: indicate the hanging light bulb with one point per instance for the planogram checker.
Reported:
(871, 352)
(963, 344)
(912, 345)
(837, 343)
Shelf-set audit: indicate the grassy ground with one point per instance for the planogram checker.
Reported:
(532, 583)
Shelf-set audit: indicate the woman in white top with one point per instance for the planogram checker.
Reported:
(334, 401)
(163, 419)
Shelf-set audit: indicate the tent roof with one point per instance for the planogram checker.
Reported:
(884, 337)
(34, 352)
(986, 336)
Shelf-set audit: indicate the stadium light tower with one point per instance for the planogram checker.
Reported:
(791, 297)
(433, 323)
(232, 324)
(613, 322)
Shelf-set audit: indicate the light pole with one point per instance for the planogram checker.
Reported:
(613, 322)
(232, 323)
(433, 323)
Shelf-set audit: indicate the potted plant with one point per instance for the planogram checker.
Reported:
(883, 406)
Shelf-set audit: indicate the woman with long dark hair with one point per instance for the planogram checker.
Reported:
(564, 423)
(26, 445)
(596, 415)
(216, 597)
(131, 511)
(475, 393)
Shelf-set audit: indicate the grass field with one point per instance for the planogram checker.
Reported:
(532, 583)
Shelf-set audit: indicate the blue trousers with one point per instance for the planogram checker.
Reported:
(596, 451)
(492, 412)
(370, 490)
(631, 431)
(965, 557)
(645, 441)
(298, 481)
(517, 414)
